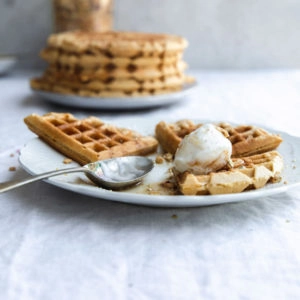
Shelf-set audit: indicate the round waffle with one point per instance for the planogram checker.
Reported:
(43, 84)
(127, 84)
(123, 44)
(140, 73)
(54, 56)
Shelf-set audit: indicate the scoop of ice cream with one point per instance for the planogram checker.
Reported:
(203, 151)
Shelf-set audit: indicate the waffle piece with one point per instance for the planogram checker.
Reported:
(127, 84)
(170, 135)
(246, 139)
(69, 59)
(114, 72)
(110, 84)
(249, 140)
(58, 87)
(117, 44)
(251, 172)
(90, 139)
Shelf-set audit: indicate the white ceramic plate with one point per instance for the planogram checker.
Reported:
(116, 103)
(37, 157)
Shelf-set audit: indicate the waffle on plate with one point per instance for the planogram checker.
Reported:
(254, 161)
(246, 173)
(113, 64)
(246, 139)
(89, 139)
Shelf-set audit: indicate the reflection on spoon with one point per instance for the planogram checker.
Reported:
(115, 173)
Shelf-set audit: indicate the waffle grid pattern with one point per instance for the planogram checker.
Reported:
(93, 134)
(89, 139)
(242, 133)
(246, 139)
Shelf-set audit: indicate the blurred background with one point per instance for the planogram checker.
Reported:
(222, 34)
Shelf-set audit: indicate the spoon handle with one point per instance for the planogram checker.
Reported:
(6, 186)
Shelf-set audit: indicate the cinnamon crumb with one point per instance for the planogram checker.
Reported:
(159, 159)
(12, 169)
(168, 157)
(149, 189)
(67, 161)
(168, 184)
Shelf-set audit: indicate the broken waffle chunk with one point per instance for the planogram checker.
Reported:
(251, 172)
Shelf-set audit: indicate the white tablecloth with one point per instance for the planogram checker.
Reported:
(56, 244)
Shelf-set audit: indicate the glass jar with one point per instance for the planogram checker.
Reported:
(87, 15)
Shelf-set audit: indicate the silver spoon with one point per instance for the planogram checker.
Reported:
(115, 173)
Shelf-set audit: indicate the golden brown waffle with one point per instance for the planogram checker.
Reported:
(64, 58)
(249, 140)
(58, 87)
(251, 172)
(90, 139)
(117, 44)
(170, 135)
(131, 72)
(126, 84)
(246, 139)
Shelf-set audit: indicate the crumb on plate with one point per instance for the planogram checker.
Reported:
(67, 161)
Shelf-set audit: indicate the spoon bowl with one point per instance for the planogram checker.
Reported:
(118, 173)
(115, 173)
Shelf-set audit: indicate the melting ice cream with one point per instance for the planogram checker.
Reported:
(203, 151)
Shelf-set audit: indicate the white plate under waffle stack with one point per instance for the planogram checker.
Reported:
(117, 103)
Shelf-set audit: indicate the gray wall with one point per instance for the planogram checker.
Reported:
(222, 33)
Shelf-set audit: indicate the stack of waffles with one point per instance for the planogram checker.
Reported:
(113, 64)
(254, 159)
